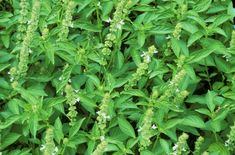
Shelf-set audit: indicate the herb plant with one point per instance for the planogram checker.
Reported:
(93, 77)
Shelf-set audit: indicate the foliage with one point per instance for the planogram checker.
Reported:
(149, 77)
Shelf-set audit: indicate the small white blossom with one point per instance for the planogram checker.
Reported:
(71, 25)
(109, 20)
(76, 90)
(102, 138)
(177, 90)
(148, 59)
(143, 54)
(43, 146)
(56, 149)
(98, 112)
(154, 127)
(227, 142)
(78, 99)
(168, 37)
(140, 129)
(9, 73)
(99, 5)
(171, 83)
(156, 51)
(108, 117)
(11, 79)
(29, 22)
(60, 78)
(175, 147)
(119, 25)
(183, 149)
(30, 51)
(69, 81)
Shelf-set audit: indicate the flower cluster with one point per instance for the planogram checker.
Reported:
(49, 147)
(23, 19)
(198, 144)
(182, 11)
(145, 131)
(177, 31)
(230, 142)
(25, 49)
(141, 68)
(116, 24)
(179, 98)
(45, 32)
(71, 101)
(103, 116)
(172, 87)
(100, 148)
(181, 147)
(120, 13)
(67, 20)
(232, 43)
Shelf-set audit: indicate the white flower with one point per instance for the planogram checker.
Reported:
(56, 149)
(69, 81)
(30, 51)
(108, 117)
(98, 112)
(168, 37)
(78, 99)
(71, 25)
(183, 149)
(227, 142)
(9, 73)
(99, 5)
(148, 59)
(154, 126)
(102, 138)
(177, 90)
(119, 25)
(60, 78)
(143, 54)
(11, 79)
(43, 146)
(171, 83)
(29, 22)
(175, 147)
(76, 90)
(140, 129)
(156, 51)
(109, 20)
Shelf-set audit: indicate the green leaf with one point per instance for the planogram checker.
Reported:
(33, 125)
(50, 52)
(136, 92)
(75, 128)
(194, 121)
(218, 148)
(202, 5)
(119, 60)
(210, 100)
(58, 130)
(86, 26)
(9, 139)
(165, 146)
(126, 127)
(87, 103)
(9, 121)
(141, 38)
(194, 37)
(199, 55)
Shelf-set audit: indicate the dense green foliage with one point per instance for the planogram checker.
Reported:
(93, 77)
